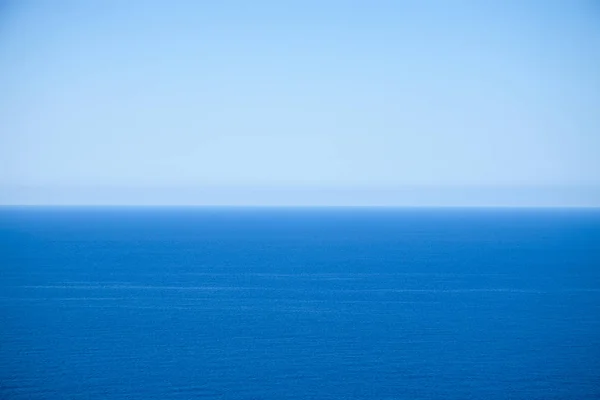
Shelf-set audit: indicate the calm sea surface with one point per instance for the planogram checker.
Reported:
(184, 303)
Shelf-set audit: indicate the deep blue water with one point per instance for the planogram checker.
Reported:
(273, 304)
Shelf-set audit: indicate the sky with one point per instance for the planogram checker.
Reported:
(300, 102)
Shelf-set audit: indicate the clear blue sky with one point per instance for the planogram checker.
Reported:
(124, 100)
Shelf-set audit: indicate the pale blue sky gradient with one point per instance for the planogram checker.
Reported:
(303, 97)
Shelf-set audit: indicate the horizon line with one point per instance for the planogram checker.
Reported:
(303, 206)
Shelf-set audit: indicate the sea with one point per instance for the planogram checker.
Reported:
(299, 303)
